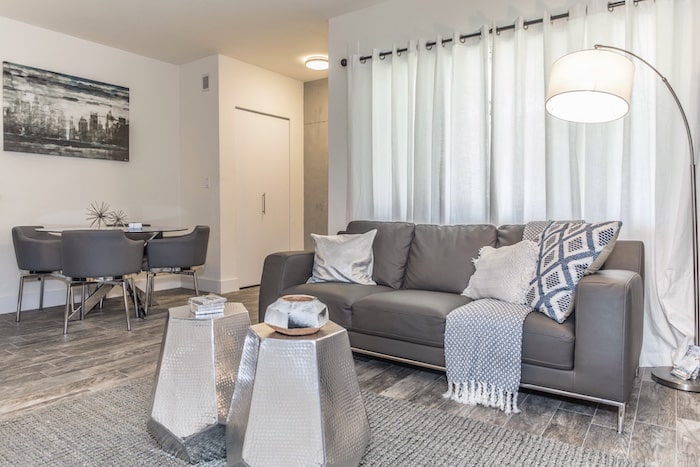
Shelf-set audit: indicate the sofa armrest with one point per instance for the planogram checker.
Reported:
(281, 271)
(609, 315)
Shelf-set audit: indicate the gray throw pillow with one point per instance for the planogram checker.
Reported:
(343, 258)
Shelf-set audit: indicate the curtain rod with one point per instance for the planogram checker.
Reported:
(429, 45)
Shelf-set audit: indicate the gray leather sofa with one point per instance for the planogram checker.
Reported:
(421, 270)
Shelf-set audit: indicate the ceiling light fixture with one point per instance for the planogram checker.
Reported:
(317, 63)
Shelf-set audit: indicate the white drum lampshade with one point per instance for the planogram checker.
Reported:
(590, 86)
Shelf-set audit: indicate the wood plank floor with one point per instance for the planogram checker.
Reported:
(39, 366)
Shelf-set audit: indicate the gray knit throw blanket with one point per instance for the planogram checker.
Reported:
(483, 342)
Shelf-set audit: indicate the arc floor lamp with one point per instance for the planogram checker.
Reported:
(594, 86)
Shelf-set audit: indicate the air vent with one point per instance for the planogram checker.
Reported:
(205, 83)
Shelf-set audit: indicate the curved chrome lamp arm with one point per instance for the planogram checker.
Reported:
(662, 375)
(696, 276)
(675, 98)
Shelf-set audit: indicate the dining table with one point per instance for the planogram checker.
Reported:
(145, 228)
(144, 232)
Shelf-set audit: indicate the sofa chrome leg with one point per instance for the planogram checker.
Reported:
(621, 417)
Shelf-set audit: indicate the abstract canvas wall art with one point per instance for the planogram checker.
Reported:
(58, 114)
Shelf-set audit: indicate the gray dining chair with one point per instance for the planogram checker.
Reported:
(182, 254)
(37, 253)
(103, 257)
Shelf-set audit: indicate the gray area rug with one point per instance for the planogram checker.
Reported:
(109, 428)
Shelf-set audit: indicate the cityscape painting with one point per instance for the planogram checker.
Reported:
(52, 113)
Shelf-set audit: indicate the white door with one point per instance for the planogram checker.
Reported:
(262, 179)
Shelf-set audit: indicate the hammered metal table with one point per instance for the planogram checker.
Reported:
(195, 380)
(297, 401)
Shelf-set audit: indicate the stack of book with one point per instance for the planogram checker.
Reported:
(207, 305)
(688, 366)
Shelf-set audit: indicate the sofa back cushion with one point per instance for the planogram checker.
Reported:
(510, 234)
(440, 258)
(390, 248)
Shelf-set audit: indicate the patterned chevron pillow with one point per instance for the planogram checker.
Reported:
(568, 251)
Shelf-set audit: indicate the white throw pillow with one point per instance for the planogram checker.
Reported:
(343, 258)
(504, 273)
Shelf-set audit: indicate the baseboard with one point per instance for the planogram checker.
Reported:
(55, 291)
(54, 295)
(162, 282)
(210, 285)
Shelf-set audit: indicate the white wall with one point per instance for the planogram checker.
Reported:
(399, 21)
(250, 87)
(199, 136)
(208, 152)
(180, 142)
(43, 189)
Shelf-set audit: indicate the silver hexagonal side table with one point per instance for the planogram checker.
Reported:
(297, 401)
(195, 380)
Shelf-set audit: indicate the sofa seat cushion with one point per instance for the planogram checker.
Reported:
(338, 297)
(548, 343)
(409, 315)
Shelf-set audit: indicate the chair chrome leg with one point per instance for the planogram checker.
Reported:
(42, 279)
(196, 286)
(19, 297)
(153, 289)
(148, 294)
(126, 306)
(132, 284)
(82, 301)
(69, 305)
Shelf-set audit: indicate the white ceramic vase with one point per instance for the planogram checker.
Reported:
(296, 314)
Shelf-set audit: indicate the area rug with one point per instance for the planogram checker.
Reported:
(109, 428)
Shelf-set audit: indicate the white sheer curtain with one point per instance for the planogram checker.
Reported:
(458, 134)
(410, 157)
(518, 169)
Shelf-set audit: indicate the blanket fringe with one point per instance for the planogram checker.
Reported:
(476, 392)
